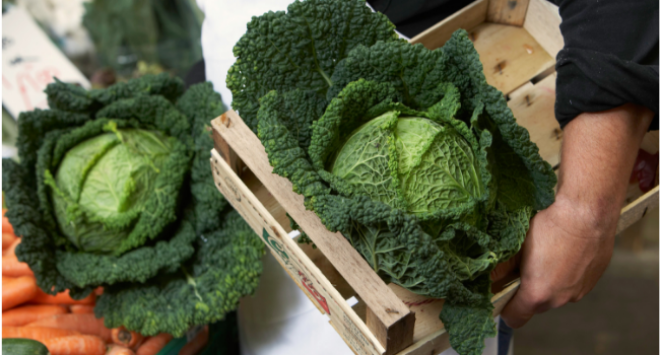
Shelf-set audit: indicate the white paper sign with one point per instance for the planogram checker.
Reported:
(29, 63)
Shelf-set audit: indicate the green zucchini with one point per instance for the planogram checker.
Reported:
(12, 346)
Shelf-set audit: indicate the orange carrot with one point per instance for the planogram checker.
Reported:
(114, 349)
(82, 323)
(76, 345)
(197, 344)
(6, 226)
(61, 298)
(11, 250)
(14, 268)
(36, 333)
(30, 313)
(154, 344)
(6, 280)
(98, 291)
(7, 239)
(125, 337)
(81, 308)
(17, 291)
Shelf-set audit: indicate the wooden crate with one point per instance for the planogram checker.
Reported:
(517, 42)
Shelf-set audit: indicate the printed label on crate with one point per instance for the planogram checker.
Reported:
(30, 61)
(344, 324)
(309, 285)
(275, 245)
(295, 269)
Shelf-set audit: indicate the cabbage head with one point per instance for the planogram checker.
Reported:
(114, 190)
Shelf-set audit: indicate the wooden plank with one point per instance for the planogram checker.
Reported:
(391, 315)
(534, 108)
(433, 338)
(507, 12)
(510, 56)
(542, 22)
(297, 264)
(638, 209)
(520, 90)
(228, 154)
(467, 18)
(650, 142)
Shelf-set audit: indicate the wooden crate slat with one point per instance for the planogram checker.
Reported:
(650, 142)
(469, 17)
(507, 12)
(542, 22)
(533, 106)
(390, 315)
(510, 56)
(634, 211)
(302, 270)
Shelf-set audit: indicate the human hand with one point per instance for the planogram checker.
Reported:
(566, 251)
(569, 244)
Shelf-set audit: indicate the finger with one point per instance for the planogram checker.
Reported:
(505, 268)
(519, 310)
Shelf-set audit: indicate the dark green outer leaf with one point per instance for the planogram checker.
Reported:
(282, 145)
(226, 266)
(138, 265)
(200, 104)
(299, 49)
(37, 247)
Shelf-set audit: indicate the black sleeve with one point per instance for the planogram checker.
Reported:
(610, 56)
(411, 17)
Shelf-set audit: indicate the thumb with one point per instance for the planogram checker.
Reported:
(519, 310)
(505, 268)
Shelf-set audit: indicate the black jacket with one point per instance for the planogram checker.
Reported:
(610, 55)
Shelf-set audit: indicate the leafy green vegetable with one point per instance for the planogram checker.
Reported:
(114, 189)
(299, 49)
(155, 31)
(406, 151)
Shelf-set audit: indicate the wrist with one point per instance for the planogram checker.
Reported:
(597, 217)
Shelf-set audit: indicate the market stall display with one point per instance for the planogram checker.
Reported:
(113, 190)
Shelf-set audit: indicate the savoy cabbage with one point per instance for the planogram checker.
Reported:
(406, 151)
(114, 189)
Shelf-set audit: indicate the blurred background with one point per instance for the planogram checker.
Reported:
(114, 40)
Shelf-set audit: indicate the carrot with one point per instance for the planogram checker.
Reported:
(36, 333)
(7, 239)
(27, 314)
(114, 349)
(14, 268)
(197, 344)
(125, 337)
(98, 291)
(82, 323)
(11, 250)
(154, 344)
(76, 345)
(61, 298)
(6, 280)
(6, 226)
(17, 291)
(81, 308)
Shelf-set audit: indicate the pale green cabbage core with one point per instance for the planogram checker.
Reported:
(436, 169)
(102, 184)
